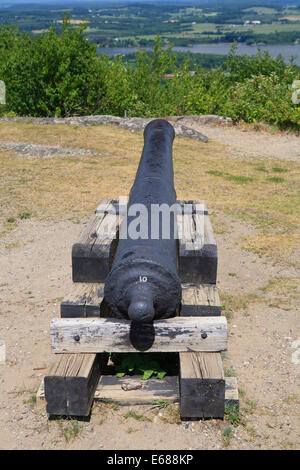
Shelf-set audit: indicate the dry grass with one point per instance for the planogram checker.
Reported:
(279, 246)
(70, 187)
(279, 292)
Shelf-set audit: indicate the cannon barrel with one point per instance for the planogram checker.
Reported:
(143, 283)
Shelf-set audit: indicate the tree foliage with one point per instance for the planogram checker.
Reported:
(60, 74)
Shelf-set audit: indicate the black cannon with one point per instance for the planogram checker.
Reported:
(143, 283)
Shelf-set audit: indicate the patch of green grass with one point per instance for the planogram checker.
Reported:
(233, 415)
(240, 179)
(24, 215)
(232, 274)
(161, 404)
(261, 168)
(278, 169)
(31, 401)
(172, 415)
(9, 246)
(215, 173)
(229, 372)
(275, 179)
(11, 220)
(228, 315)
(70, 428)
(134, 415)
(252, 431)
(250, 405)
(233, 303)
(131, 430)
(227, 436)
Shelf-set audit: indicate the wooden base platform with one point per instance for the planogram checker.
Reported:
(84, 327)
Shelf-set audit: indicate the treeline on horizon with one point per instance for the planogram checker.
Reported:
(60, 74)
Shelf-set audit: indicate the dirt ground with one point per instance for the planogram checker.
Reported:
(260, 295)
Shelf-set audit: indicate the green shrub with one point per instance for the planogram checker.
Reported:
(263, 98)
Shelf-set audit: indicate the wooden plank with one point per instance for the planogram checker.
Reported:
(202, 388)
(107, 206)
(198, 256)
(110, 388)
(92, 253)
(83, 301)
(71, 383)
(145, 391)
(202, 385)
(193, 206)
(231, 393)
(112, 206)
(85, 335)
(200, 300)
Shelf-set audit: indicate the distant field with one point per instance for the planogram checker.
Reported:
(270, 28)
(201, 27)
(261, 10)
(140, 23)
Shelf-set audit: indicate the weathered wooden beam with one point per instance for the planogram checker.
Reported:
(71, 383)
(202, 385)
(93, 252)
(200, 300)
(83, 301)
(198, 255)
(85, 335)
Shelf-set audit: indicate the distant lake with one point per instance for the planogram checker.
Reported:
(286, 51)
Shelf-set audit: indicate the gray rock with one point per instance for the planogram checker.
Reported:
(189, 132)
(134, 123)
(44, 151)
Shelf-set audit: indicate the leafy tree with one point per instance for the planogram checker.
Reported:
(54, 74)
(147, 80)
